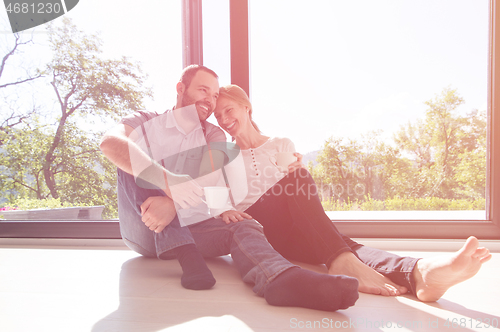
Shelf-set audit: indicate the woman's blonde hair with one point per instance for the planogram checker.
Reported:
(237, 94)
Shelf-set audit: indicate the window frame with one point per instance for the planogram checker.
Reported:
(240, 74)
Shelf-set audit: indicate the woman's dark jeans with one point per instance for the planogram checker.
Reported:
(297, 227)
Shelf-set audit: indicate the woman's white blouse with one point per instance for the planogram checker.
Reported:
(260, 173)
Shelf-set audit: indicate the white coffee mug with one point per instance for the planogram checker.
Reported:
(216, 197)
(283, 159)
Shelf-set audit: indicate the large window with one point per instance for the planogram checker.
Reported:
(398, 97)
(368, 77)
(386, 99)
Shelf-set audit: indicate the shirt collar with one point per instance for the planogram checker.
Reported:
(170, 119)
(171, 122)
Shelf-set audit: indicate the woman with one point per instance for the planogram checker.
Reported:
(289, 209)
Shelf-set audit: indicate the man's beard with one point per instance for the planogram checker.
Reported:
(188, 100)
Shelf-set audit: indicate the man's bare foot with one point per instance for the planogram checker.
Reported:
(370, 281)
(435, 275)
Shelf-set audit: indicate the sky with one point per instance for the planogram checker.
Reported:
(319, 68)
(343, 68)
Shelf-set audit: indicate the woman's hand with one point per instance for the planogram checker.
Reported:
(234, 216)
(296, 165)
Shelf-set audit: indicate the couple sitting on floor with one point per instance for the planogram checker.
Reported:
(161, 160)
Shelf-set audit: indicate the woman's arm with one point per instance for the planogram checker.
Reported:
(296, 165)
(234, 216)
(288, 146)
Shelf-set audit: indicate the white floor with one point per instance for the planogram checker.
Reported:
(65, 288)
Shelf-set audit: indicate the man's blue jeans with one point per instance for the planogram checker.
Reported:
(256, 260)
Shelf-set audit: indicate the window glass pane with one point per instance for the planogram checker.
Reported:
(386, 99)
(216, 47)
(87, 87)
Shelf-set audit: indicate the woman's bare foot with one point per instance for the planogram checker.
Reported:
(370, 281)
(435, 275)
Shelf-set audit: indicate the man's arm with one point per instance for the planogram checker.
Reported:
(119, 146)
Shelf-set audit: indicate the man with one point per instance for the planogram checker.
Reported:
(151, 197)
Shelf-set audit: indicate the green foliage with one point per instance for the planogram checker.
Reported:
(58, 160)
(84, 177)
(470, 173)
(406, 204)
(110, 211)
(86, 84)
(30, 203)
(439, 144)
(442, 156)
(21, 161)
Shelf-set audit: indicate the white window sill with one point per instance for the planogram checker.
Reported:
(118, 244)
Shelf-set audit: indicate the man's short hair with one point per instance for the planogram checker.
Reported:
(189, 72)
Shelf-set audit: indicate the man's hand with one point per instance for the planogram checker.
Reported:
(296, 165)
(184, 190)
(158, 212)
(234, 216)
